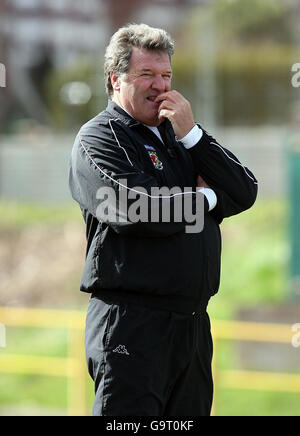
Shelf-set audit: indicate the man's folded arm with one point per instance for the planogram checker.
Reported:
(107, 179)
(234, 185)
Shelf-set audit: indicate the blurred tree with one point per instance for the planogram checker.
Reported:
(69, 115)
(253, 20)
(39, 71)
(254, 54)
(253, 49)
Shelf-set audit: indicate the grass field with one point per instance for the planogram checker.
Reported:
(255, 258)
(254, 272)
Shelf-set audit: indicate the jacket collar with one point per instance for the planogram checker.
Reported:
(117, 112)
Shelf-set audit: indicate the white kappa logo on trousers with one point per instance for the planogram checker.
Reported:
(121, 349)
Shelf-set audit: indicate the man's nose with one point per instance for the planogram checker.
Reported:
(158, 83)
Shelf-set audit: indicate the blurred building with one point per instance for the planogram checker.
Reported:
(37, 35)
(42, 36)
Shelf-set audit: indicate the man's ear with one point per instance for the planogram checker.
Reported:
(115, 81)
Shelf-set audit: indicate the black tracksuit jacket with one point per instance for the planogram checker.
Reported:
(157, 264)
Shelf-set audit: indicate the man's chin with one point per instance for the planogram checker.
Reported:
(155, 122)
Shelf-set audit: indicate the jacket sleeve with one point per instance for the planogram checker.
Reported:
(234, 184)
(108, 179)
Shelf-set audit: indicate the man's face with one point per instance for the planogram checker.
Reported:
(149, 75)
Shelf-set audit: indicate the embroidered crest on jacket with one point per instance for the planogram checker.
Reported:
(153, 156)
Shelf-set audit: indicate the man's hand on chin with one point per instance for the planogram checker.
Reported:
(178, 110)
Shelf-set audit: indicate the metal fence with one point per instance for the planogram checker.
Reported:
(73, 367)
(36, 168)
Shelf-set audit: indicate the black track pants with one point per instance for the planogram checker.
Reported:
(148, 362)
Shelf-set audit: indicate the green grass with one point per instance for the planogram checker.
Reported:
(48, 342)
(35, 392)
(15, 215)
(254, 259)
(254, 272)
(31, 394)
(256, 403)
(31, 390)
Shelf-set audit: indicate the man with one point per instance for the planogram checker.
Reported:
(148, 340)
